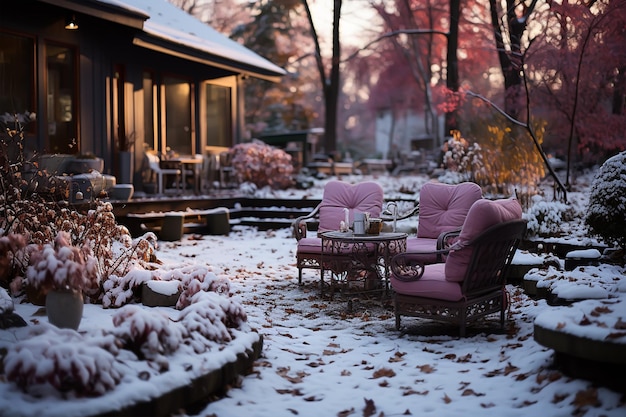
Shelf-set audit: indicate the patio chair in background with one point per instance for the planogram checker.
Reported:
(362, 197)
(226, 170)
(442, 209)
(161, 174)
(471, 282)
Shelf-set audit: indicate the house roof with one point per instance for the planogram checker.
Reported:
(170, 30)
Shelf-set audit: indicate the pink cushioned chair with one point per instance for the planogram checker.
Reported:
(471, 282)
(442, 209)
(362, 197)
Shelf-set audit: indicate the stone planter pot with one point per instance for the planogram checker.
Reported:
(65, 308)
(160, 293)
(84, 165)
(123, 192)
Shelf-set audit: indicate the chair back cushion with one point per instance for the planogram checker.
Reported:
(362, 197)
(482, 215)
(443, 207)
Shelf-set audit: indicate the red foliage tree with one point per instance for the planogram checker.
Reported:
(578, 65)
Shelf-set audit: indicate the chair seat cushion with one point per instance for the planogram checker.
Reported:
(313, 245)
(432, 284)
(310, 245)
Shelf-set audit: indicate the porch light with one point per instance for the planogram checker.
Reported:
(71, 23)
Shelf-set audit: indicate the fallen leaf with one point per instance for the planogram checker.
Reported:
(446, 399)
(345, 413)
(397, 357)
(427, 369)
(470, 391)
(370, 408)
(466, 358)
(620, 324)
(600, 310)
(615, 335)
(510, 368)
(588, 397)
(413, 392)
(383, 372)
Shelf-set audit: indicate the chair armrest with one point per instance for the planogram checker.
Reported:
(298, 226)
(409, 266)
(445, 241)
(413, 212)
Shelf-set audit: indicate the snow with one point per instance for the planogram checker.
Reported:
(168, 22)
(320, 358)
(163, 287)
(584, 254)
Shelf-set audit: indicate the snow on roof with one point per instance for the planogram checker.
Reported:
(172, 24)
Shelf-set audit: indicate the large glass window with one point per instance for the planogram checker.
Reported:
(17, 80)
(178, 115)
(218, 115)
(61, 98)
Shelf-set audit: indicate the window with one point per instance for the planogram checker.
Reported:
(61, 82)
(218, 115)
(179, 132)
(17, 78)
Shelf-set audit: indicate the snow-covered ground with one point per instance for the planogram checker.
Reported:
(322, 359)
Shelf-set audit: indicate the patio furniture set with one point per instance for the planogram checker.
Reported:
(174, 174)
(453, 269)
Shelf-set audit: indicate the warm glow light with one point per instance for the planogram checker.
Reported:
(71, 23)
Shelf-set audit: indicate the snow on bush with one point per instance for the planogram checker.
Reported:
(547, 219)
(209, 317)
(63, 266)
(607, 201)
(63, 360)
(148, 334)
(118, 291)
(196, 279)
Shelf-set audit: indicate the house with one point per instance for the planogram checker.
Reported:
(116, 77)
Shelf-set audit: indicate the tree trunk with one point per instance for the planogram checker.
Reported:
(332, 88)
(452, 76)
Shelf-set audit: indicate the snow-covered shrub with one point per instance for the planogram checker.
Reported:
(461, 159)
(120, 290)
(62, 360)
(262, 165)
(11, 256)
(547, 219)
(196, 279)
(209, 317)
(62, 266)
(148, 334)
(606, 213)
